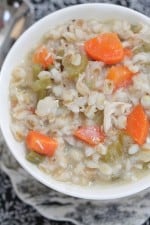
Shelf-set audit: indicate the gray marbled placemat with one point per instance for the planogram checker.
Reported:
(53, 205)
(44, 7)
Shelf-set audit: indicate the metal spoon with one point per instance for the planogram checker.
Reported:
(20, 16)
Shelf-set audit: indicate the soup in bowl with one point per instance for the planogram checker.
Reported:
(76, 101)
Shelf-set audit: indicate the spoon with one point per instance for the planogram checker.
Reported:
(15, 17)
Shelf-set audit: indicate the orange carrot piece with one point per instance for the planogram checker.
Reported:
(120, 75)
(128, 52)
(41, 143)
(106, 47)
(137, 125)
(91, 135)
(43, 57)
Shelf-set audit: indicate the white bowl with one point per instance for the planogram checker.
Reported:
(17, 53)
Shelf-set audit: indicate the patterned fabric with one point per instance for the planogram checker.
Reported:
(133, 211)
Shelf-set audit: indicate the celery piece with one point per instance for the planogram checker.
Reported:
(41, 84)
(41, 94)
(114, 152)
(74, 70)
(60, 52)
(136, 28)
(99, 117)
(36, 69)
(145, 47)
(34, 157)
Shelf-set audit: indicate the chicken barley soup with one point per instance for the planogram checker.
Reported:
(80, 102)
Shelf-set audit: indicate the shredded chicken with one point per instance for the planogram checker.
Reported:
(116, 109)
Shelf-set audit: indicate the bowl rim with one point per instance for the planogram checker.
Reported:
(41, 179)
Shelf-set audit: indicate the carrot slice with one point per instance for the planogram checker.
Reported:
(43, 57)
(138, 125)
(106, 47)
(41, 143)
(120, 75)
(92, 135)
